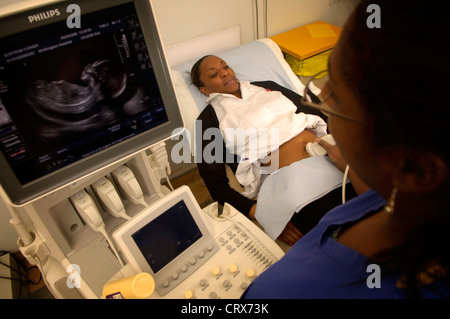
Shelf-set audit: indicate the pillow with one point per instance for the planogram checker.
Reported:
(254, 61)
(259, 60)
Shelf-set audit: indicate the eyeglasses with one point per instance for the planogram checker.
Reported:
(321, 104)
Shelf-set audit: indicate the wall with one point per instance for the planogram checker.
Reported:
(284, 15)
(181, 20)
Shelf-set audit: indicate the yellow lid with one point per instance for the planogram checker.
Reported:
(308, 40)
(143, 285)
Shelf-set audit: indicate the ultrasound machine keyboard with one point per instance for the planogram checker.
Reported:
(240, 259)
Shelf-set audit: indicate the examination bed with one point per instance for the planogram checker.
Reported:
(258, 60)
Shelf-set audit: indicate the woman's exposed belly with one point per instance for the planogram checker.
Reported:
(291, 151)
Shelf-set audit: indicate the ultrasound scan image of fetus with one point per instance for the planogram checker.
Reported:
(104, 95)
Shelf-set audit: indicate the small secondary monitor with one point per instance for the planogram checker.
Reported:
(169, 240)
(82, 84)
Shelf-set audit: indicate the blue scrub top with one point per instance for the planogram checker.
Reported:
(317, 266)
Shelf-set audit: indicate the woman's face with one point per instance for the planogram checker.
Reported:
(373, 166)
(217, 77)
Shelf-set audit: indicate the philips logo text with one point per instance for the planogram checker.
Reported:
(44, 15)
(72, 21)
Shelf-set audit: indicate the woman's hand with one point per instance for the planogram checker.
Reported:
(333, 153)
(290, 234)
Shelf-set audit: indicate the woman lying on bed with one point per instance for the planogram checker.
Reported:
(230, 106)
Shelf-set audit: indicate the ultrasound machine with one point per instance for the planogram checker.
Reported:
(86, 103)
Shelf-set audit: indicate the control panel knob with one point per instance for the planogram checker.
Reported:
(213, 295)
(233, 268)
(188, 294)
(215, 270)
(250, 273)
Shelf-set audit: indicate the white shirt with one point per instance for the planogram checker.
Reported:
(256, 124)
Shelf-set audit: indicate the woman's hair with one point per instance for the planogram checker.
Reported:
(400, 74)
(401, 71)
(195, 72)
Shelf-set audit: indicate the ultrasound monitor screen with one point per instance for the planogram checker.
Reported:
(81, 91)
(167, 236)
